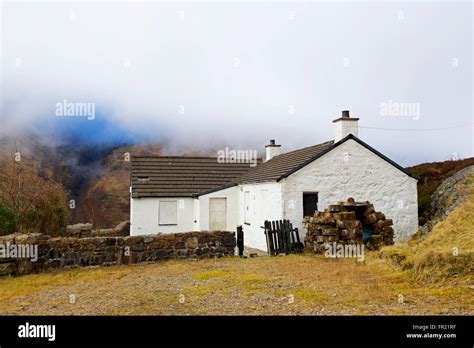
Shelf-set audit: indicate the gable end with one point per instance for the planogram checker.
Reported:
(350, 136)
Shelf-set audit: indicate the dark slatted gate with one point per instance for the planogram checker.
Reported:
(240, 240)
(282, 238)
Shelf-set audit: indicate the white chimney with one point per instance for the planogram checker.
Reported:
(272, 150)
(345, 125)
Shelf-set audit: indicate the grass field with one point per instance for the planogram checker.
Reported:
(291, 285)
(421, 277)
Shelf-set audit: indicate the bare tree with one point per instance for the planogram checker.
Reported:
(39, 204)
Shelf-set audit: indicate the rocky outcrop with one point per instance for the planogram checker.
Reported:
(54, 253)
(344, 222)
(448, 196)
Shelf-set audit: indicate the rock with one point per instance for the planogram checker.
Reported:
(352, 224)
(370, 218)
(380, 216)
(79, 230)
(335, 208)
(345, 216)
(329, 231)
(448, 196)
(123, 228)
(7, 268)
(133, 240)
(24, 267)
(148, 239)
(191, 243)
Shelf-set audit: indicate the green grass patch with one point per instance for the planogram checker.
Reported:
(211, 275)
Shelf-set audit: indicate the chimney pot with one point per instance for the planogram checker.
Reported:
(272, 142)
(345, 114)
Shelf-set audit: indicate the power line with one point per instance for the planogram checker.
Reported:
(418, 129)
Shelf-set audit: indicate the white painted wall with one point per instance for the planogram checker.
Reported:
(350, 170)
(144, 216)
(232, 195)
(264, 203)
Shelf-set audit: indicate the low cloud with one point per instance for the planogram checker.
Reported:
(206, 75)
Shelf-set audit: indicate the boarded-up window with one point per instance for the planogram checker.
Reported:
(168, 214)
(217, 214)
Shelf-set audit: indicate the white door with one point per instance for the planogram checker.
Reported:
(217, 214)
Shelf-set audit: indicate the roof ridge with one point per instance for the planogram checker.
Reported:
(183, 157)
(158, 156)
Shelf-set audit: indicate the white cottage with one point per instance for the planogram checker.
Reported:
(171, 194)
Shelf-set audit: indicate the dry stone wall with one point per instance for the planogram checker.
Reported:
(343, 223)
(56, 253)
(85, 230)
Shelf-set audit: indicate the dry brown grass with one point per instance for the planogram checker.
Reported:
(429, 278)
(447, 253)
(233, 286)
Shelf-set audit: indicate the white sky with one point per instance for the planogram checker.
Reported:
(246, 71)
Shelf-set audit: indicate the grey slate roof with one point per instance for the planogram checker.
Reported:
(193, 176)
(173, 176)
(283, 164)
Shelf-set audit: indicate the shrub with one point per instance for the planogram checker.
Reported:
(7, 220)
(38, 203)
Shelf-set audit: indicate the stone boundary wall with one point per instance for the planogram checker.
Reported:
(85, 230)
(58, 253)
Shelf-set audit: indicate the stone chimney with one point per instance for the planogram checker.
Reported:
(272, 150)
(345, 125)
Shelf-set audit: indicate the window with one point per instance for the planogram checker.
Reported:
(168, 213)
(310, 204)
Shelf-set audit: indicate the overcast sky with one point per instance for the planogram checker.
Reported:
(204, 74)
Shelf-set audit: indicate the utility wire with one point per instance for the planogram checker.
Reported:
(418, 129)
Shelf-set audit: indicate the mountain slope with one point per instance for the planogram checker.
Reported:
(432, 174)
(104, 201)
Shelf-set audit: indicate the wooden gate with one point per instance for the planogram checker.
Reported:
(282, 238)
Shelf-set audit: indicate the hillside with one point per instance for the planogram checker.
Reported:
(95, 177)
(104, 200)
(432, 174)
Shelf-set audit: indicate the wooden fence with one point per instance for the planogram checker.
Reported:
(282, 238)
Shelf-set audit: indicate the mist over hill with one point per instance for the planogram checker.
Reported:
(88, 160)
